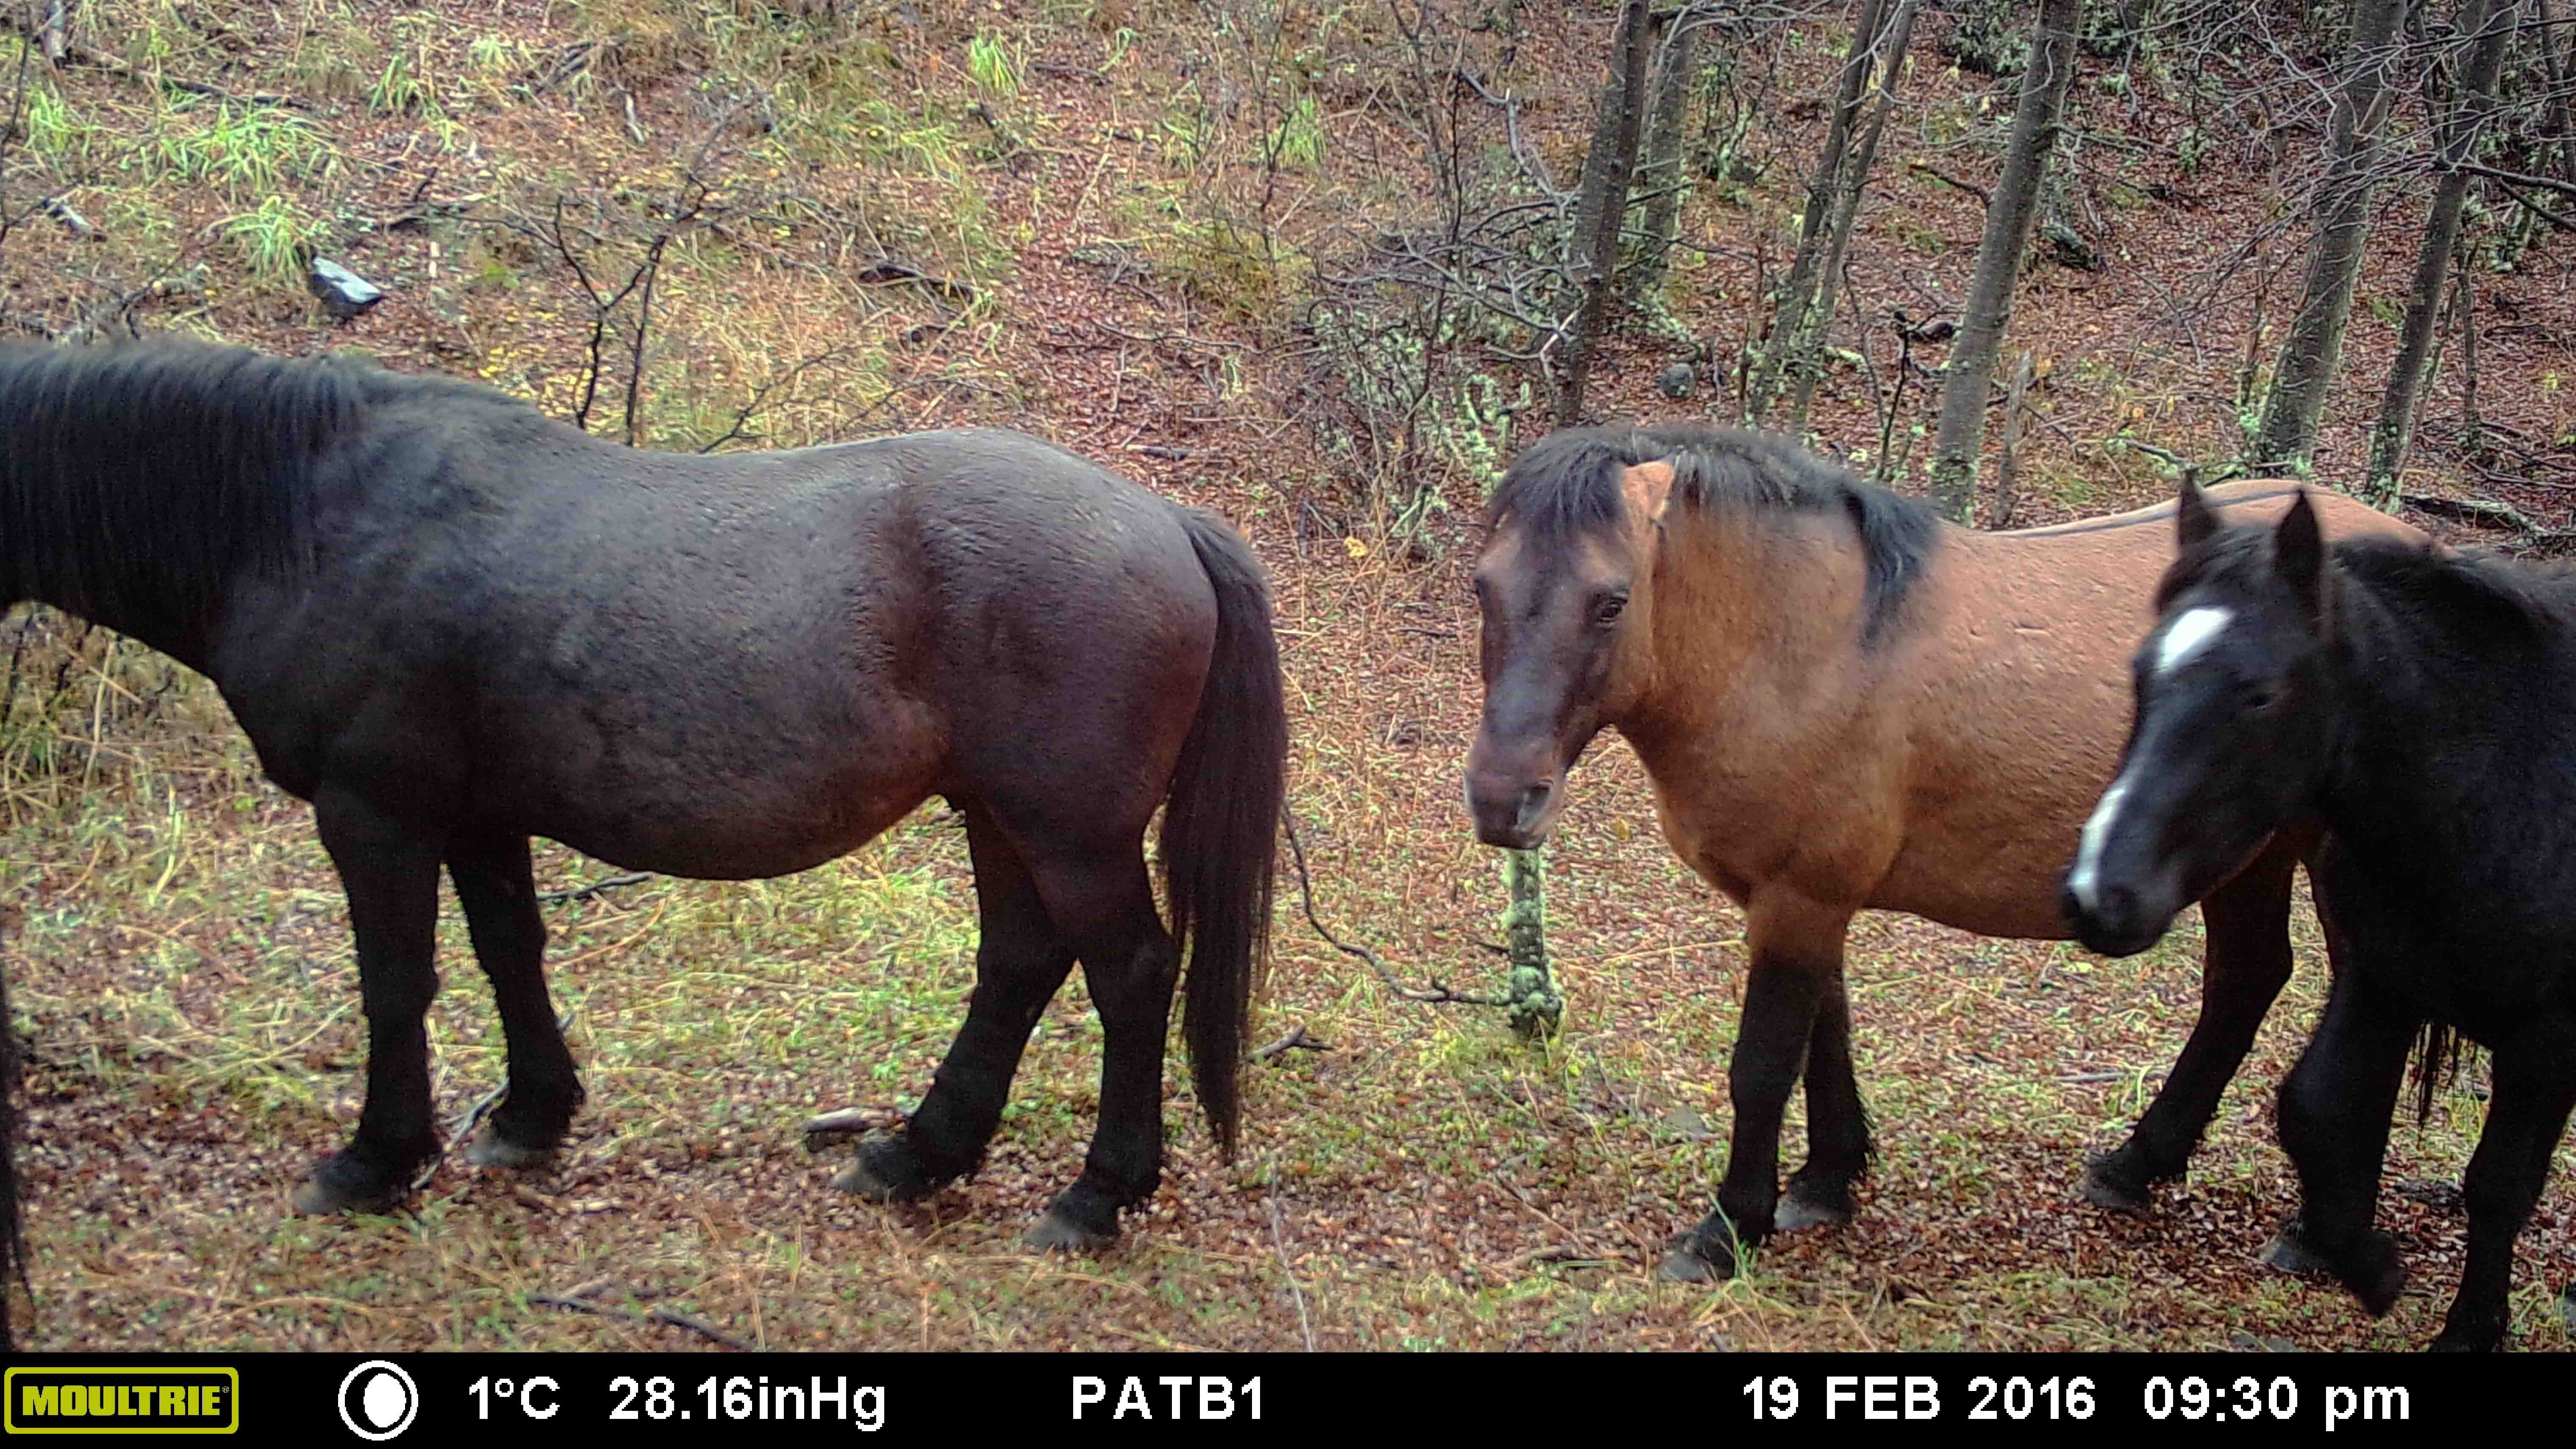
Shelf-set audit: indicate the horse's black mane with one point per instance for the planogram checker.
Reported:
(167, 460)
(2499, 600)
(1566, 485)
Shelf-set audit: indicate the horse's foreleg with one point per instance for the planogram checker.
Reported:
(2334, 1115)
(2535, 1087)
(1131, 966)
(1796, 948)
(1838, 1146)
(498, 888)
(391, 875)
(1019, 963)
(2246, 965)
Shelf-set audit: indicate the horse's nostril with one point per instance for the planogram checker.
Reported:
(1534, 802)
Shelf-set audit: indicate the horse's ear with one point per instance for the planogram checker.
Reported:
(2299, 552)
(1648, 486)
(2194, 519)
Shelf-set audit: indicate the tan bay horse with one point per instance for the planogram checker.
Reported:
(1844, 704)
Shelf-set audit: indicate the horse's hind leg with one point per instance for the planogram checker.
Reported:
(498, 888)
(2246, 965)
(1820, 1193)
(1019, 963)
(1131, 965)
(2334, 1117)
(2535, 1087)
(391, 876)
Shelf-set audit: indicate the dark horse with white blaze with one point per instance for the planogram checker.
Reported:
(453, 624)
(1843, 703)
(2422, 707)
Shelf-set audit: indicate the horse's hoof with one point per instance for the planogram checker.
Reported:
(1810, 1206)
(2377, 1274)
(1057, 1232)
(327, 1192)
(2110, 1187)
(2288, 1252)
(1688, 1260)
(886, 1170)
(490, 1149)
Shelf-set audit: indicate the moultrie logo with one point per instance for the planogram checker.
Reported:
(73, 1400)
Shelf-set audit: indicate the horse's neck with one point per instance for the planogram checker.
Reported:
(1754, 622)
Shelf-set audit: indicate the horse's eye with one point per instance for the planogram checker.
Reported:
(2263, 697)
(1608, 608)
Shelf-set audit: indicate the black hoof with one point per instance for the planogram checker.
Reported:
(346, 1183)
(491, 1149)
(1813, 1204)
(886, 1170)
(2288, 1252)
(1057, 1231)
(1691, 1258)
(2451, 1342)
(2112, 1184)
(2374, 1273)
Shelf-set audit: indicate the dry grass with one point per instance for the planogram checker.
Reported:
(181, 965)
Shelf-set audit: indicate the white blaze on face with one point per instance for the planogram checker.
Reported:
(2084, 880)
(2189, 635)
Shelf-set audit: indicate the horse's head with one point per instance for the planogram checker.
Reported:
(1568, 603)
(2233, 728)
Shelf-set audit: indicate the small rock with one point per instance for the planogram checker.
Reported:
(344, 294)
(1675, 381)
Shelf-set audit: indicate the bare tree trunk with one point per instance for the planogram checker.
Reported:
(2558, 62)
(2485, 27)
(1797, 293)
(1602, 208)
(1798, 335)
(1661, 171)
(2009, 215)
(2008, 452)
(2314, 348)
(1805, 364)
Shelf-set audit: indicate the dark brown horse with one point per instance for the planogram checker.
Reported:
(452, 624)
(1844, 703)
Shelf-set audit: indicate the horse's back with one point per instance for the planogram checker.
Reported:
(728, 666)
(2017, 696)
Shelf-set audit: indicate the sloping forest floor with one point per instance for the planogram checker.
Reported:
(1109, 224)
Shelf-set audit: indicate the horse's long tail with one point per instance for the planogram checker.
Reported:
(1221, 823)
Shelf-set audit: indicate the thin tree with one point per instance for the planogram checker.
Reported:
(2009, 215)
(2486, 26)
(1660, 169)
(1803, 355)
(2313, 350)
(1795, 298)
(1601, 209)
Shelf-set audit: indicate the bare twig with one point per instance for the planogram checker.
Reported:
(1279, 1241)
(614, 882)
(824, 1129)
(671, 1316)
(1296, 1040)
(1437, 994)
(1983, 196)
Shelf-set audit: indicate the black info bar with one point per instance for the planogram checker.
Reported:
(829, 1397)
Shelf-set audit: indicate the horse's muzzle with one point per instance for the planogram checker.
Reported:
(2115, 922)
(1515, 813)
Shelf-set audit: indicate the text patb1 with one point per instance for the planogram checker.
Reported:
(715, 1398)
